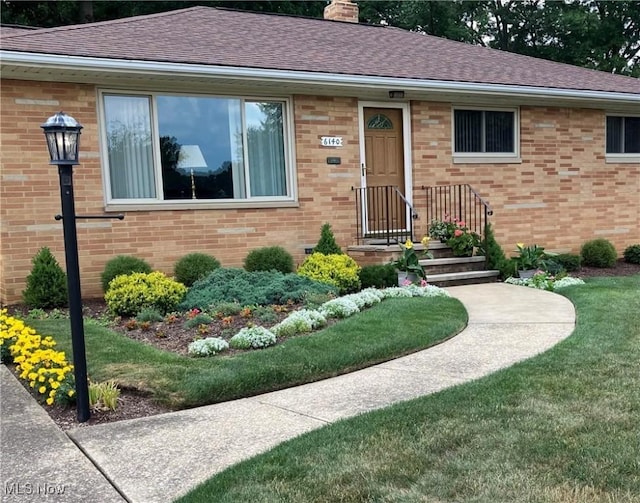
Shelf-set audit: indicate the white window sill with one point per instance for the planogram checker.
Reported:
(196, 205)
(623, 158)
(480, 159)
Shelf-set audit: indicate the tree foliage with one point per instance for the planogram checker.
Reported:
(598, 34)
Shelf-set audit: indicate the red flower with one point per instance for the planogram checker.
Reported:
(457, 233)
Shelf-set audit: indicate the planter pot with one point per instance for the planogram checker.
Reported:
(404, 276)
(528, 274)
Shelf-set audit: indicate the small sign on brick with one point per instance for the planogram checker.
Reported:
(331, 141)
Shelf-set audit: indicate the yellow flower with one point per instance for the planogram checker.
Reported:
(520, 245)
(55, 384)
(408, 244)
(42, 390)
(71, 392)
(425, 241)
(50, 401)
(41, 379)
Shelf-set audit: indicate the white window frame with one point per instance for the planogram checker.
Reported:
(487, 157)
(631, 158)
(159, 203)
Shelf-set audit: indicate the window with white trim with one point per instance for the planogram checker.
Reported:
(623, 135)
(169, 147)
(483, 132)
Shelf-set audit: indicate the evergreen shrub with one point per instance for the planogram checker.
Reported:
(129, 294)
(327, 243)
(338, 270)
(569, 262)
(122, 264)
(47, 283)
(378, 276)
(269, 258)
(260, 288)
(193, 267)
(632, 254)
(598, 253)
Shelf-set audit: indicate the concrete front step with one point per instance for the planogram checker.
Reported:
(463, 278)
(453, 264)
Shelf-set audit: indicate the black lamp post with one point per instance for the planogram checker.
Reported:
(63, 133)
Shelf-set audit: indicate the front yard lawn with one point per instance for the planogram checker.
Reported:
(560, 427)
(390, 329)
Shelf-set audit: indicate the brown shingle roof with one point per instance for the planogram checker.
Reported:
(213, 36)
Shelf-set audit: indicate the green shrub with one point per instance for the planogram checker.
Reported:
(122, 264)
(598, 253)
(632, 254)
(338, 270)
(149, 314)
(496, 258)
(568, 261)
(270, 258)
(327, 243)
(47, 283)
(193, 267)
(227, 308)
(378, 276)
(129, 294)
(260, 288)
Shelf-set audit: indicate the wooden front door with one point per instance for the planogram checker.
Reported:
(384, 169)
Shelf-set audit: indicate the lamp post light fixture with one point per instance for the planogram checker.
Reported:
(63, 133)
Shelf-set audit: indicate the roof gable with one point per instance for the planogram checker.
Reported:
(221, 37)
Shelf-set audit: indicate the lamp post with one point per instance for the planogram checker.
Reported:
(62, 133)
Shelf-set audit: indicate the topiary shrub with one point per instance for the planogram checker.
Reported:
(270, 258)
(327, 243)
(129, 294)
(598, 253)
(47, 283)
(378, 276)
(193, 267)
(246, 288)
(122, 264)
(632, 254)
(338, 270)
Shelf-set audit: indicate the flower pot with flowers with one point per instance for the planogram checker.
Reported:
(529, 260)
(463, 242)
(408, 264)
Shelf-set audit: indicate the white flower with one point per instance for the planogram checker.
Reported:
(253, 337)
(341, 307)
(207, 347)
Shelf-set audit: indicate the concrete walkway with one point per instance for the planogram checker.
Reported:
(156, 459)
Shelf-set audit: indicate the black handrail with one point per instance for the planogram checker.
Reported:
(383, 215)
(461, 202)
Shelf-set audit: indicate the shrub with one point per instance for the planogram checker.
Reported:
(327, 243)
(253, 337)
(598, 253)
(227, 309)
(129, 294)
(260, 288)
(47, 283)
(568, 261)
(496, 258)
(340, 271)
(149, 314)
(207, 347)
(632, 254)
(378, 276)
(122, 264)
(270, 258)
(193, 267)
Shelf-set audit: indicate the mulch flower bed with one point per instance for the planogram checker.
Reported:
(172, 335)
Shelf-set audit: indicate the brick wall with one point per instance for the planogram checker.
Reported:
(561, 195)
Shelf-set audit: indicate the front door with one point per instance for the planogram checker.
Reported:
(383, 169)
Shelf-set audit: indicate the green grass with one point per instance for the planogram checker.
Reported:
(561, 427)
(393, 328)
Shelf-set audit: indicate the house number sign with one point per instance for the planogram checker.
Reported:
(331, 141)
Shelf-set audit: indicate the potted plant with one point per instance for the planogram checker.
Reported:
(463, 242)
(408, 264)
(529, 260)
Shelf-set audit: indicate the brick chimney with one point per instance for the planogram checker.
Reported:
(341, 10)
